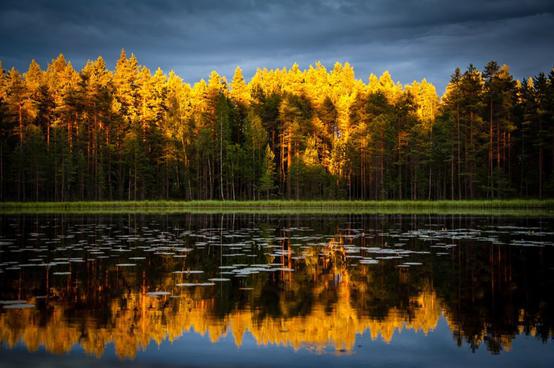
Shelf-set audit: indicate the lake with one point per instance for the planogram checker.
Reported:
(272, 290)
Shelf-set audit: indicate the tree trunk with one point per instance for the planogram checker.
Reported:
(458, 140)
(289, 163)
(221, 157)
(490, 191)
(20, 120)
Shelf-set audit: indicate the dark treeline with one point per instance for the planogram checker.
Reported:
(97, 134)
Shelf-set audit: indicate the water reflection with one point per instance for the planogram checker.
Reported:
(304, 282)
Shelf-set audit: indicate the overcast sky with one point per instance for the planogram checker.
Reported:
(413, 39)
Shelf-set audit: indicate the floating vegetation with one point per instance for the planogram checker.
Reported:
(192, 284)
(189, 272)
(18, 306)
(368, 261)
(8, 302)
(157, 293)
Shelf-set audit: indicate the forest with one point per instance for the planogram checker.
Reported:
(133, 134)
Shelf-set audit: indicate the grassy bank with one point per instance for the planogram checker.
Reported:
(514, 206)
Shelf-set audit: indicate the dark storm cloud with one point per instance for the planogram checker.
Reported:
(413, 39)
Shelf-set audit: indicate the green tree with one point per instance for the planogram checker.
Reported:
(267, 181)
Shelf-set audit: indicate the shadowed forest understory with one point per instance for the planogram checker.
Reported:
(130, 134)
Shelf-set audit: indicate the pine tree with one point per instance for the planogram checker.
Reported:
(314, 133)
(267, 183)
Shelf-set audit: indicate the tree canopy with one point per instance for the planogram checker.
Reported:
(130, 133)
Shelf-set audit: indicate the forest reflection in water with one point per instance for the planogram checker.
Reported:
(313, 282)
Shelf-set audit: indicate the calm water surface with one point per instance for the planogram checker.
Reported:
(267, 290)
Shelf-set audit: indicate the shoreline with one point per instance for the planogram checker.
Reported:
(516, 207)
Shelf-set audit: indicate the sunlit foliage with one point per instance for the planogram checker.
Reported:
(134, 134)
